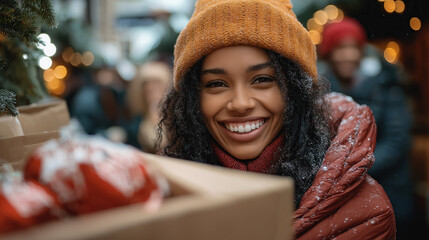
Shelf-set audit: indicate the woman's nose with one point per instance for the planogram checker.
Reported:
(241, 101)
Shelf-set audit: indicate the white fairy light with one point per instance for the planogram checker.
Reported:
(50, 50)
(45, 39)
(45, 62)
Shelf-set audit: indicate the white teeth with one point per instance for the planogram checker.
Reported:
(248, 127)
(240, 129)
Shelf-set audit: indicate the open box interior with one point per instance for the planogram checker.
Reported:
(205, 202)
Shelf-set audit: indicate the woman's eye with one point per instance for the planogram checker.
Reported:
(215, 84)
(263, 79)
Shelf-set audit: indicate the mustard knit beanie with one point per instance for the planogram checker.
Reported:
(268, 24)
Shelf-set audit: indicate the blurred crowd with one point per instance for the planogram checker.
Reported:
(122, 111)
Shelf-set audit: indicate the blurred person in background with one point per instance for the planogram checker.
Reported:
(144, 95)
(376, 84)
(101, 109)
(92, 103)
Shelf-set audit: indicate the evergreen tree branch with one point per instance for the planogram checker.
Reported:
(20, 22)
(42, 9)
(7, 103)
(23, 19)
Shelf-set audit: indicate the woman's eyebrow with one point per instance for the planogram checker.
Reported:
(259, 67)
(249, 69)
(214, 71)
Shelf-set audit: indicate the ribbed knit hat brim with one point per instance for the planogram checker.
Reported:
(265, 24)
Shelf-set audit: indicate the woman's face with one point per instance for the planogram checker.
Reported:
(240, 100)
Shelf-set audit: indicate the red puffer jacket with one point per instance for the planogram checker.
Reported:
(343, 201)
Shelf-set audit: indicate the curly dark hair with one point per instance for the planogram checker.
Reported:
(306, 124)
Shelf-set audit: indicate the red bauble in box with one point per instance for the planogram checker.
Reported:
(24, 204)
(90, 174)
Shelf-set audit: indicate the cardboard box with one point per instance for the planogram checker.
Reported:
(207, 202)
(38, 122)
(10, 127)
(43, 117)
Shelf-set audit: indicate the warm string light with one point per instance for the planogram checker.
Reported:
(331, 13)
(399, 6)
(321, 17)
(389, 6)
(415, 23)
(87, 58)
(391, 52)
(67, 53)
(54, 79)
(316, 37)
(54, 76)
(315, 25)
(60, 71)
(76, 59)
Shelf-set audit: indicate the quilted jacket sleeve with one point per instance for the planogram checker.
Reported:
(376, 219)
(368, 215)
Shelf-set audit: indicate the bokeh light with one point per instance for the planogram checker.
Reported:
(340, 16)
(76, 59)
(390, 55)
(316, 37)
(50, 49)
(45, 39)
(56, 86)
(45, 62)
(399, 6)
(60, 72)
(389, 6)
(313, 25)
(393, 45)
(321, 17)
(331, 11)
(67, 54)
(415, 23)
(87, 58)
(48, 75)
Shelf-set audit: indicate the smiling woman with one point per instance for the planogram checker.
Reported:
(241, 102)
(246, 95)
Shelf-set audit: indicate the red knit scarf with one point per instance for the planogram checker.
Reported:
(262, 164)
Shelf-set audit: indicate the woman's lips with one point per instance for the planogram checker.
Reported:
(244, 131)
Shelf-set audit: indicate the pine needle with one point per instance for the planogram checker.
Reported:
(7, 103)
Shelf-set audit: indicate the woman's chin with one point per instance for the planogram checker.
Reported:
(245, 154)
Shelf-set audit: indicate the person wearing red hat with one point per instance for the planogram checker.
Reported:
(342, 46)
(356, 69)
